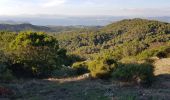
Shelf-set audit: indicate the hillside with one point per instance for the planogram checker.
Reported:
(128, 59)
(23, 27)
(19, 26)
(118, 37)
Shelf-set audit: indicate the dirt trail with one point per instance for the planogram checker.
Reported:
(162, 66)
(70, 79)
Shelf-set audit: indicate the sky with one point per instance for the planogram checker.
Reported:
(85, 7)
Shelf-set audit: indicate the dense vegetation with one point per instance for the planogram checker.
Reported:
(122, 39)
(32, 54)
(22, 27)
(106, 53)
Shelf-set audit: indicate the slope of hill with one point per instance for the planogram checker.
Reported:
(19, 26)
(124, 38)
(22, 27)
(37, 53)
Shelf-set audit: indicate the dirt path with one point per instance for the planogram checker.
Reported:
(70, 79)
(162, 66)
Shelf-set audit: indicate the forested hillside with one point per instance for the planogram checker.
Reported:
(51, 29)
(119, 61)
(121, 39)
(23, 27)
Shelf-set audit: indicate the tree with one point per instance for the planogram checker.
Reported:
(35, 54)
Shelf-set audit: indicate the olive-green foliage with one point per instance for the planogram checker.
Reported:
(140, 73)
(5, 38)
(36, 39)
(101, 68)
(161, 52)
(35, 54)
(127, 49)
(80, 67)
(121, 39)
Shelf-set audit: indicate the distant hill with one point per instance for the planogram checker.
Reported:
(58, 20)
(20, 26)
(123, 38)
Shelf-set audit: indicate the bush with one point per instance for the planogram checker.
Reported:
(146, 54)
(160, 52)
(35, 54)
(101, 68)
(80, 67)
(140, 73)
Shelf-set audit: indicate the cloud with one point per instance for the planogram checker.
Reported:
(53, 3)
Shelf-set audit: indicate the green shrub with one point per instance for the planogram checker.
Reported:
(80, 67)
(35, 54)
(140, 73)
(161, 52)
(101, 68)
(147, 54)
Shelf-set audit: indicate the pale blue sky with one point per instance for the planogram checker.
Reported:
(86, 7)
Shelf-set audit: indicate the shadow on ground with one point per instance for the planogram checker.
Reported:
(86, 89)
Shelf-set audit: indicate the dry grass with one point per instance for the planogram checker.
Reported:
(162, 66)
(86, 90)
(83, 88)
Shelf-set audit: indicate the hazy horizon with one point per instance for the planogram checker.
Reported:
(81, 12)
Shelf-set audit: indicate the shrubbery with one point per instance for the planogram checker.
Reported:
(161, 52)
(35, 54)
(38, 55)
(108, 68)
(102, 68)
(80, 67)
(140, 73)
